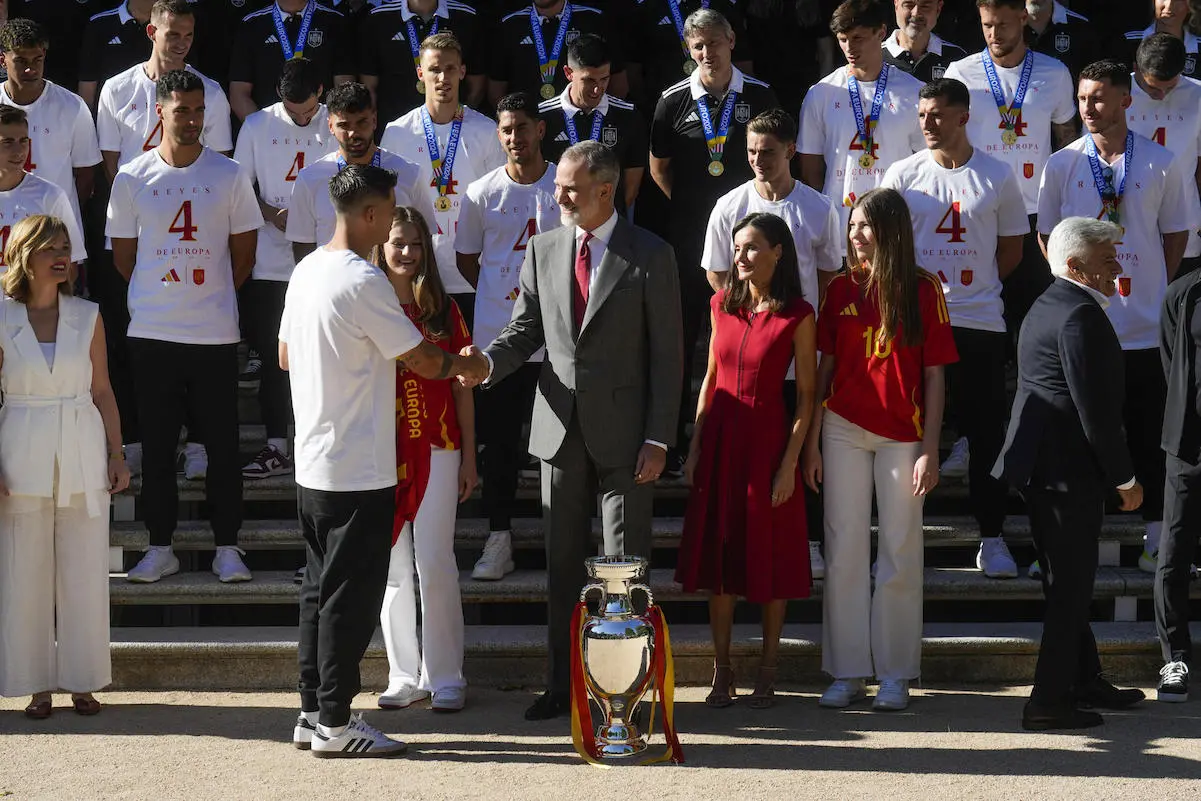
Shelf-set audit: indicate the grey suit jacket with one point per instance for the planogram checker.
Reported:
(622, 375)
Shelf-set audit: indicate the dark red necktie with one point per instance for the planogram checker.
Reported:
(583, 269)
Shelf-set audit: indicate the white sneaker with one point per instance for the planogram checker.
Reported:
(893, 695)
(401, 697)
(302, 735)
(357, 739)
(133, 458)
(956, 464)
(995, 560)
(842, 693)
(195, 461)
(449, 699)
(1148, 561)
(817, 565)
(158, 562)
(497, 560)
(1035, 571)
(228, 565)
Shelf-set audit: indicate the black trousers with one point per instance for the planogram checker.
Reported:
(348, 536)
(466, 301)
(1066, 528)
(262, 306)
(1146, 396)
(694, 312)
(976, 385)
(174, 380)
(1026, 282)
(1177, 551)
(500, 412)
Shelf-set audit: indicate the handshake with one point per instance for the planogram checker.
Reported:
(471, 367)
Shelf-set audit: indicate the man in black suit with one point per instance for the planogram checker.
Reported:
(1066, 452)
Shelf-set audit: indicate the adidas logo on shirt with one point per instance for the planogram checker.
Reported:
(849, 311)
(171, 277)
(666, 21)
(513, 295)
(526, 40)
(115, 40)
(692, 118)
(398, 36)
(271, 40)
(562, 137)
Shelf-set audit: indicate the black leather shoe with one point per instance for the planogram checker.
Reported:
(549, 705)
(1100, 694)
(1036, 717)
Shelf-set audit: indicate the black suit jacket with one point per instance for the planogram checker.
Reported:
(1181, 435)
(1065, 431)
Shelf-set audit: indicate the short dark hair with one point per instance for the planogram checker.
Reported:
(1108, 69)
(589, 51)
(774, 122)
(11, 115)
(349, 98)
(171, 8)
(176, 81)
(523, 102)
(1161, 55)
(298, 80)
(1016, 5)
(20, 34)
(357, 183)
(442, 41)
(853, 14)
(948, 89)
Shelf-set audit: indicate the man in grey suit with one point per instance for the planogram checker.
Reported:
(602, 297)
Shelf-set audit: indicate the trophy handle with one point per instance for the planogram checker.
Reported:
(589, 588)
(650, 598)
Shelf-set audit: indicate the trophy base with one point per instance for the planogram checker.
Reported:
(618, 741)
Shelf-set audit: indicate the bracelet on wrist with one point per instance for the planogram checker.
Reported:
(117, 456)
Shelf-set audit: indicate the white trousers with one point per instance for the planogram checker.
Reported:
(437, 662)
(866, 634)
(53, 597)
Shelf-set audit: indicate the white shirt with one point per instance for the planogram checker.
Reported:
(311, 212)
(957, 216)
(1156, 202)
(1175, 123)
(36, 195)
(478, 154)
(272, 150)
(127, 124)
(497, 218)
(344, 329)
(182, 289)
(62, 137)
(828, 129)
(1049, 99)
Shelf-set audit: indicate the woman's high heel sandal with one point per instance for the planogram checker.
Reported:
(764, 695)
(723, 693)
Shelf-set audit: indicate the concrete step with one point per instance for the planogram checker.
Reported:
(510, 656)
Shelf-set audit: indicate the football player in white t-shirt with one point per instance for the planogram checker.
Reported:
(860, 118)
(500, 212)
(1113, 173)
(969, 224)
(183, 221)
(444, 118)
(22, 194)
(126, 124)
(1166, 108)
(62, 137)
(274, 145)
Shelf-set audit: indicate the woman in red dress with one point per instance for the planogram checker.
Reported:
(744, 532)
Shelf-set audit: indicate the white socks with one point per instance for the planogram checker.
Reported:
(328, 732)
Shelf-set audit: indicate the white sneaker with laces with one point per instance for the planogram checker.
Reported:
(357, 739)
(497, 559)
(842, 693)
(133, 458)
(159, 561)
(228, 565)
(1173, 683)
(817, 565)
(893, 695)
(195, 461)
(302, 735)
(401, 697)
(957, 462)
(995, 560)
(449, 699)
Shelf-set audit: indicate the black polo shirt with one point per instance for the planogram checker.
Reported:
(658, 48)
(933, 63)
(384, 50)
(212, 46)
(677, 134)
(64, 22)
(1192, 50)
(113, 41)
(258, 57)
(623, 130)
(1069, 37)
(513, 58)
(959, 21)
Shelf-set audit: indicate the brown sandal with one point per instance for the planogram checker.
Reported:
(85, 705)
(39, 709)
(765, 698)
(723, 677)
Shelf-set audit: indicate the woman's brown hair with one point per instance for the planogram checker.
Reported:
(429, 294)
(785, 282)
(894, 270)
(29, 237)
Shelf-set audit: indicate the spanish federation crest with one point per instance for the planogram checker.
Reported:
(234, 3)
(609, 136)
(1063, 42)
(1190, 63)
(742, 112)
(316, 38)
(937, 72)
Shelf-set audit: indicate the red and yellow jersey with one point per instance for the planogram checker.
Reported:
(425, 408)
(880, 387)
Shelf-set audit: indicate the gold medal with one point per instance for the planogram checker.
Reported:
(1010, 137)
(866, 161)
(442, 203)
(716, 168)
(547, 91)
(689, 67)
(421, 87)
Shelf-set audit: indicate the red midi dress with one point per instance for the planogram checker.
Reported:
(734, 542)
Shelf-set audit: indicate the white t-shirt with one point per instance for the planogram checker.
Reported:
(957, 216)
(344, 329)
(496, 220)
(311, 212)
(62, 137)
(126, 123)
(1175, 123)
(1156, 202)
(828, 130)
(182, 288)
(478, 154)
(272, 150)
(1051, 98)
(36, 195)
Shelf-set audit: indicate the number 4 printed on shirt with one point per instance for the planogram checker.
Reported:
(956, 230)
(29, 165)
(297, 166)
(155, 138)
(182, 224)
(531, 228)
(857, 144)
(1160, 137)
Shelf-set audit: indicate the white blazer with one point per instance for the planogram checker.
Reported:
(48, 414)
